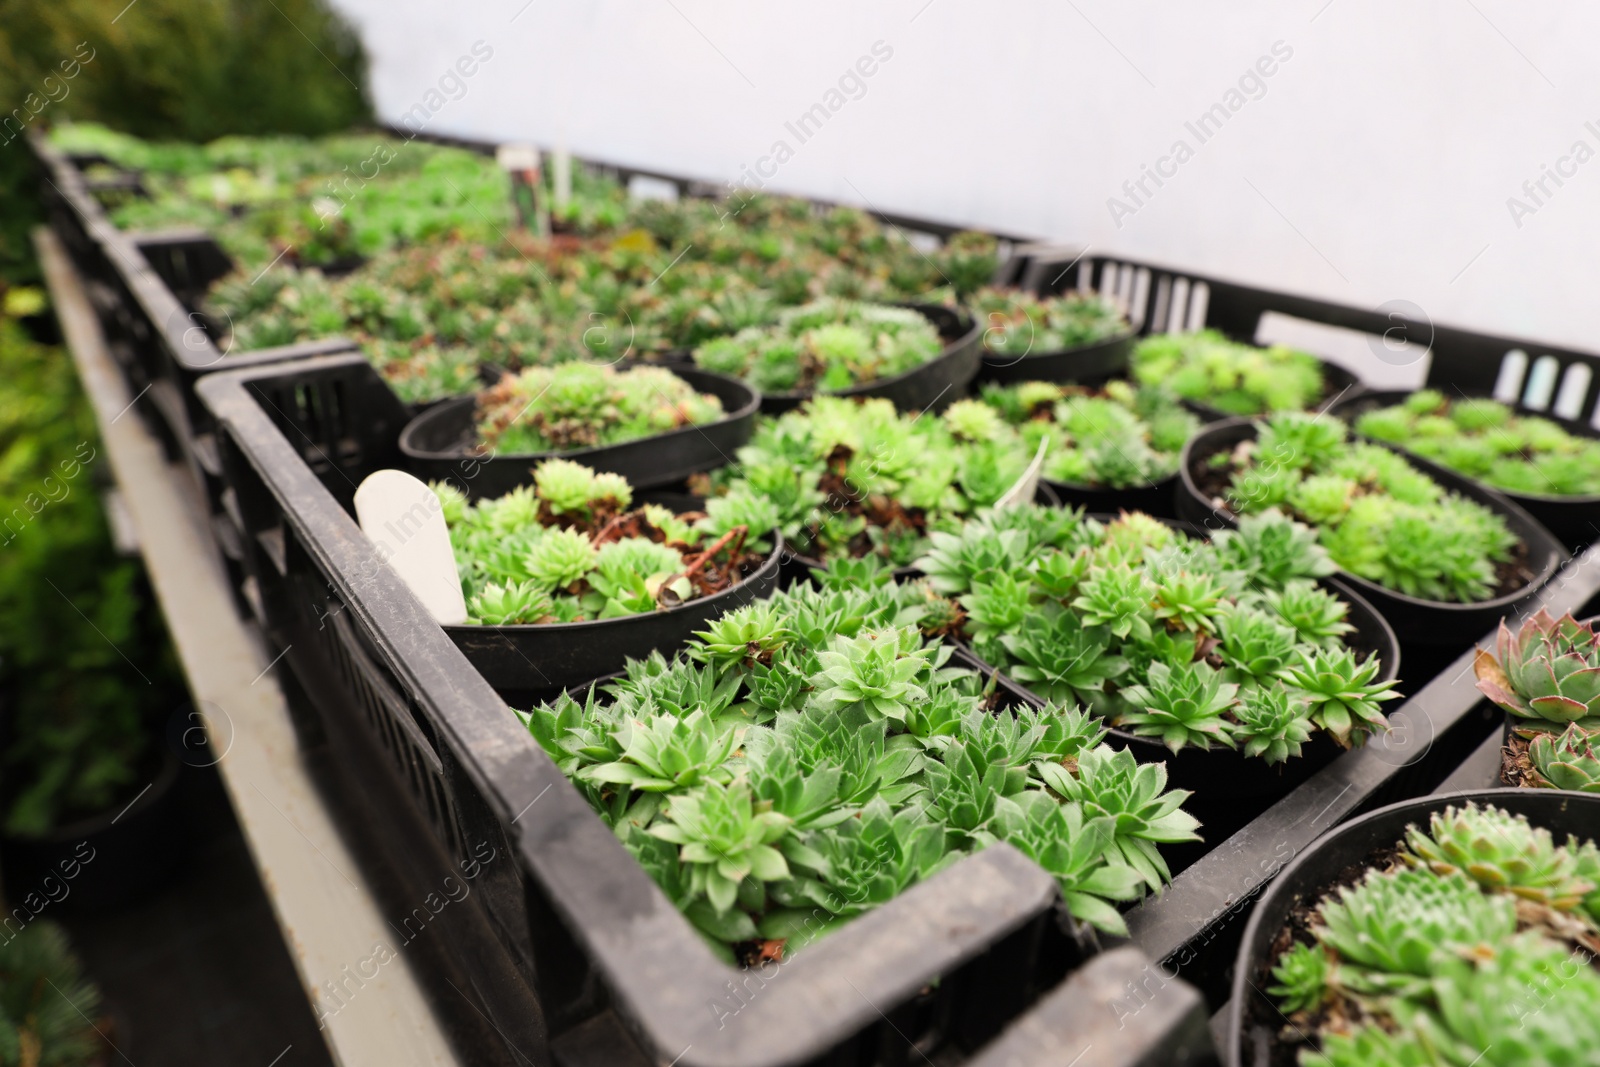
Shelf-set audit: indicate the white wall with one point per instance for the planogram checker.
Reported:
(1376, 166)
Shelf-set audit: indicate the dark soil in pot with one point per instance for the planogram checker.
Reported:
(1447, 624)
(1573, 519)
(441, 444)
(106, 859)
(930, 387)
(1341, 858)
(1086, 363)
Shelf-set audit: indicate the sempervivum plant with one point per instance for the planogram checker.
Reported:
(570, 548)
(582, 405)
(1443, 962)
(825, 346)
(1546, 674)
(1116, 435)
(1235, 378)
(1225, 643)
(811, 756)
(1487, 440)
(1377, 515)
(854, 478)
(1017, 323)
(1566, 761)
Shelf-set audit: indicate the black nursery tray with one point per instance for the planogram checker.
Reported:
(442, 444)
(1421, 622)
(570, 934)
(1573, 519)
(420, 732)
(930, 387)
(1092, 362)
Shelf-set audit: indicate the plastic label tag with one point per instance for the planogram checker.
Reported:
(405, 520)
(1027, 486)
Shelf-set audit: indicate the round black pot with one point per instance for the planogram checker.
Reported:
(1571, 518)
(930, 387)
(1338, 384)
(1154, 499)
(1424, 622)
(105, 860)
(1229, 787)
(1086, 363)
(798, 568)
(440, 444)
(1310, 875)
(536, 661)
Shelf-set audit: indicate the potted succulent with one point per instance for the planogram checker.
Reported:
(1235, 661)
(653, 426)
(1220, 377)
(913, 355)
(1546, 675)
(1441, 556)
(1453, 930)
(1112, 446)
(1073, 337)
(811, 756)
(1550, 466)
(855, 479)
(565, 579)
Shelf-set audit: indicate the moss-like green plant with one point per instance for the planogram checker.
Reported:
(1546, 674)
(568, 548)
(812, 756)
(853, 478)
(1115, 435)
(1231, 377)
(1378, 516)
(1225, 643)
(1487, 440)
(581, 405)
(1018, 324)
(825, 346)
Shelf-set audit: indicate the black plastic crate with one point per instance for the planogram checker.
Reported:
(576, 918)
(400, 699)
(1160, 299)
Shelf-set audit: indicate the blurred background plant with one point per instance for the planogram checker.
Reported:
(85, 665)
(189, 70)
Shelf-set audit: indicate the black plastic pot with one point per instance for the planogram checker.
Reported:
(1086, 363)
(1155, 498)
(1338, 385)
(1229, 787)
(105, 860)
(1574, 519)
(441, 444)
(1314, 871)
(1431, 623)
(527, 663)
(798, 568)
(930, 387)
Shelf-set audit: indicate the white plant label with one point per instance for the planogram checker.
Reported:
(1028, 485)
(404, 519)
